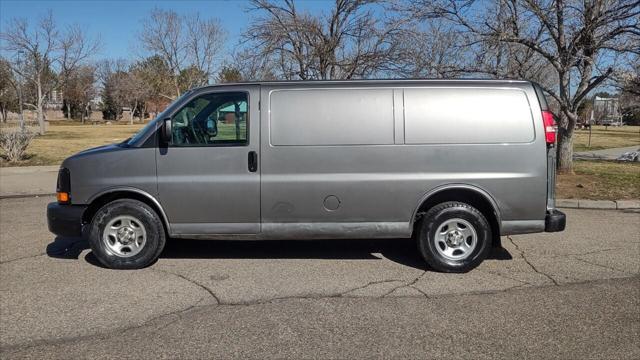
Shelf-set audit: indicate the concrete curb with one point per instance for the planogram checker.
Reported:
(598, 204)
(18, 196)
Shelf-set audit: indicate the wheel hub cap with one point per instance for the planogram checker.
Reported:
(124, 236)
(455, 239)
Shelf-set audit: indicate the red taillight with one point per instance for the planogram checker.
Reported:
(549, 127)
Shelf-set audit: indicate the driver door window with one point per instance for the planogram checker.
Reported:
(214, 119)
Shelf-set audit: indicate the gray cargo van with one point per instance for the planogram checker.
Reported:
(454, 164)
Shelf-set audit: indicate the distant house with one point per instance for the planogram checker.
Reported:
(54, 101)
(96, 102)
(606, 111)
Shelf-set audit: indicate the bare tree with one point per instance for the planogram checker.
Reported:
(8, 90)
(204, 42)
(107, 67)
(38, 46)
(628, 82)
(253, 66)
(576, 42)
(75, 48)
(430, 51)
(348, 42)
(42, 48)
(112, 75)
(124, 86)
(80, 89)
(156, 76)
(134, 92)
(229, 74)
(189, 45)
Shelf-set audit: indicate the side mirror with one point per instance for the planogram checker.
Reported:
(165, 131)
(212, 127)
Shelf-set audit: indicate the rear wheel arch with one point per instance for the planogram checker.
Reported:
(117, 194)
(471, 195)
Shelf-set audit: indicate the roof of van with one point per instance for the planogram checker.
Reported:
(372, 81)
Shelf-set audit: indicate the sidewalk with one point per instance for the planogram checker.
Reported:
(605, 154)
(28, 180)
(598, 204)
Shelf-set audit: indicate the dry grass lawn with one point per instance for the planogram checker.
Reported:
(600, 180)
(613, 137)
(65, 139)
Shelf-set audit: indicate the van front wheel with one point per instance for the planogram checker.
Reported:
(454, 237)
(126, 234)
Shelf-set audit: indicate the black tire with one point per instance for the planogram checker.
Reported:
(434, 218)
(155, 234)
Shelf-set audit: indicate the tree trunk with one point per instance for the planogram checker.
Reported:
(40, 111)
(177, 86)
(144, 111)
(133, 110)
(565, 142)
(565, 152)
(68, 111)
(21, 108)
(85, 113)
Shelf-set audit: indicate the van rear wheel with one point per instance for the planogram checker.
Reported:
(126, 234)
(454, 237)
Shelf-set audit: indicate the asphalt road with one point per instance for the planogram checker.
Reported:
(570, 295)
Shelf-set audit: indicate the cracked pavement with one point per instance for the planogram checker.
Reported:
(207, 298)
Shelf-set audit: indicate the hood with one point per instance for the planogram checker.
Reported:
(79, 158)
(98, 150)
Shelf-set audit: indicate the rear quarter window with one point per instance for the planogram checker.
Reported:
(467, 116)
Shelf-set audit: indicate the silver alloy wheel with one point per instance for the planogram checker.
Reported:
(455, 239)
(124, 236)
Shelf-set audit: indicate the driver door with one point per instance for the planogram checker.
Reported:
(208, 178)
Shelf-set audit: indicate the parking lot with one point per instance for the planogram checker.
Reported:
(572, 294)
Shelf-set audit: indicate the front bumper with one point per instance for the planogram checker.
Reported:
(65, 220)
(555, 221)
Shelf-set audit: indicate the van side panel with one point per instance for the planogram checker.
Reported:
(376, 188)
(467, 116)
(354, 117)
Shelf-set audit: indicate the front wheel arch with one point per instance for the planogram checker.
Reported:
(114, 195)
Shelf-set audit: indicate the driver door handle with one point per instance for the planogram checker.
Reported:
(253, 161)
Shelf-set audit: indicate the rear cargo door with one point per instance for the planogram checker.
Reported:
(551, 155)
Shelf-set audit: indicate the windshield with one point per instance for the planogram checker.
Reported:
(136, 137)
(151, 125)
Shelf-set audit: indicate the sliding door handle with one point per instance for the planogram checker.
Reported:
(253, 161)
